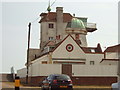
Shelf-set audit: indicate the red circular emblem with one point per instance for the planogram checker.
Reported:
(69, 47)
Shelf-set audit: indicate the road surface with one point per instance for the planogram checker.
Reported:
(10, 86)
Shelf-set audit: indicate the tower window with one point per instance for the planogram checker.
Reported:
(77, 36)
(51, 25)
(58, 37)
(51, 38)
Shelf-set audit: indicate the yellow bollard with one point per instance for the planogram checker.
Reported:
(17, 83)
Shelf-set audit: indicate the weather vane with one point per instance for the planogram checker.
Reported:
(49, 9)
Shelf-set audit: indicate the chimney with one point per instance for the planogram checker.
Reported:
(99, 47)
(59, 23)
(59, 11)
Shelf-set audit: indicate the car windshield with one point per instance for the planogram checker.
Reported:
(61, 77)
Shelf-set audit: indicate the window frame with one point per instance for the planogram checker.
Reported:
(50, 25)
(51, 38)
(92, 62)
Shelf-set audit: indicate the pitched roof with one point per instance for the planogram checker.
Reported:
(85, 49)
(51, 17)
(92, 49)
(115, 48)
(109, 60)
(50, 43)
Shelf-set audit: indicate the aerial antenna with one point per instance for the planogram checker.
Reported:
(52, 3)
(49, 9)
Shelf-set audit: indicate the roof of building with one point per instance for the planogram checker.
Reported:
(76, 23)
(115, 48)
(50, 43)
(92, 49)
(108, 60)
(51, 17)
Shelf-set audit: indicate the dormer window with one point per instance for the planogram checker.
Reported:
(51, 25)
(93, 50)
(51, 48)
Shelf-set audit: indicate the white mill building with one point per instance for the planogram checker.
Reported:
(64, 50)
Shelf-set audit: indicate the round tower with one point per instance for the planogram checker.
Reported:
(78, 30)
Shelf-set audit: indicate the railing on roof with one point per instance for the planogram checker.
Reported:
(91, 25)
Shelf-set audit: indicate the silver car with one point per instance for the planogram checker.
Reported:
(116, 86)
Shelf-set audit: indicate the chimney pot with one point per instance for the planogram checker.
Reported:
(59, 8)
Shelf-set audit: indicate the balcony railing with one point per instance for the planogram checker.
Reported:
(91, 25)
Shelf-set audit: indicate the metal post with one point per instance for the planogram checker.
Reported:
(17, 83)
(29, 26)
(119, 42)
(119, 65)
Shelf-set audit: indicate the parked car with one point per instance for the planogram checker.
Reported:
(116, 86)
(57, 81)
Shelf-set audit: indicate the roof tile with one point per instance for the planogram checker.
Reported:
(51, 17)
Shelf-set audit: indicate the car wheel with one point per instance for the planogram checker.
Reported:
(71, 89)
(43, 89)
(51, 88)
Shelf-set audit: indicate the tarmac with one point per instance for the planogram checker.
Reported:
(10, 86)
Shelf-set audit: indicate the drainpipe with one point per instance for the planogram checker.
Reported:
(50, 58)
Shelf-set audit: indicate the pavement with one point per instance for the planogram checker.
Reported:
(10, 86)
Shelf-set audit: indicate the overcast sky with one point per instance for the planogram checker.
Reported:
(16, 16)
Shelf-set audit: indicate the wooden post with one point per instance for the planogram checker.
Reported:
(29, 26)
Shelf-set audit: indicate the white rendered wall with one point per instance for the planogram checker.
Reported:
(111, 55)
(39, 60)
(61, 51)
(96, 70)
(22, 72)
(37, 69)
(107, 62)
(94, 57)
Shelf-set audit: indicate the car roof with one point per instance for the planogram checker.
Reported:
(58, 74)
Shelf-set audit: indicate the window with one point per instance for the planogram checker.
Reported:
(51, 25)
(44, 62)
(69, 47)
(92, 50)
(58, 37)
(51, 48)
(51, 38)
(92, 62)
(77, 36)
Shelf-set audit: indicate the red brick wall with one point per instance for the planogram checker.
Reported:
(33, 81)
(6, 78)
(103, 81)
